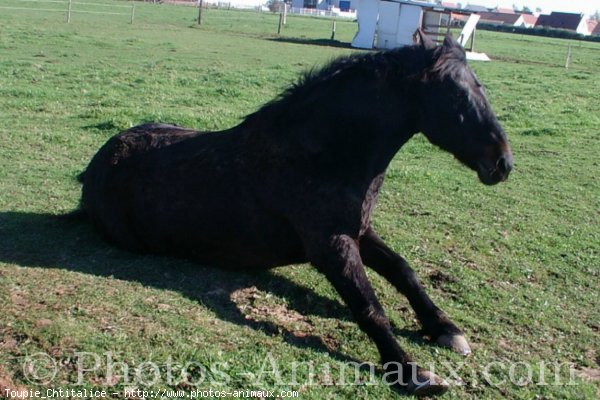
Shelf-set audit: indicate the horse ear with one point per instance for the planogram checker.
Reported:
(449, 41)
(422, 39)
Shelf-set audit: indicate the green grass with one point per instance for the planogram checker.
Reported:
(515, 265)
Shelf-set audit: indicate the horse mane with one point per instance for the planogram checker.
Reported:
(409, 62)
(344, 67)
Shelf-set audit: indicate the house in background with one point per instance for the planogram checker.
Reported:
(508, 19)
(593, 27)
(496, 18)
(568, 21)
(529, 20)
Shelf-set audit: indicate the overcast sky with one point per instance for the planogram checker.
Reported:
(575, 6)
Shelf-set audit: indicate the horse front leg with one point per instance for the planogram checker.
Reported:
(339, 260)
(377, 255)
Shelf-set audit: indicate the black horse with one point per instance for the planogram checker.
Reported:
(297, 181)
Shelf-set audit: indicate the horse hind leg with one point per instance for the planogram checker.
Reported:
(377, 255)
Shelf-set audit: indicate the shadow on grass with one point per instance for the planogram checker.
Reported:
(313, 42)
(103, 126)
(50, 241)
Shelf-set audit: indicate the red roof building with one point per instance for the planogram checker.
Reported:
(593, 27)
(529, 20)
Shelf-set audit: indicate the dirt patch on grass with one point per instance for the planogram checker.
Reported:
(439, 279)
(589, 374)
(7, 384)
(8, 342)
(444, 282)
(18, 299)
(261, 306)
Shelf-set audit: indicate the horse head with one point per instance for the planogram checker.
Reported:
(455, 113)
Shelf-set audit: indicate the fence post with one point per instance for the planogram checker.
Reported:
(132, 12)
(284, 13)
(280, 23)
(473, 39)
(69, 12)
(200, 12)
(333, 30)
(568, 57)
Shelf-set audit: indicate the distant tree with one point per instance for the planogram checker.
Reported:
(526, 10)
(538, 9)
(459, 5)
(515, 8)
(596, 15)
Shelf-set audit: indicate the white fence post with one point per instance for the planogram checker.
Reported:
(69, 12)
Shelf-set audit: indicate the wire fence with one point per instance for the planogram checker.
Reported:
(314, 12)
(70, 7)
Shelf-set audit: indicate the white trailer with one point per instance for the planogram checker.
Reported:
(387, 24)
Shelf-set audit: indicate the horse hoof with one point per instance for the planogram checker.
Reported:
(427, 384)
(458, 343)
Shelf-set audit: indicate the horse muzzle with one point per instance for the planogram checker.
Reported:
(491, 172)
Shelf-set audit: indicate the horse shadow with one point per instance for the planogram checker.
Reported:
(55, 242)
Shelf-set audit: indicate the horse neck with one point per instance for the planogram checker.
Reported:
(363, 128)
(346, 126)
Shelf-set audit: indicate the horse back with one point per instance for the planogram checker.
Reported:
(110, 178)
(165, 189)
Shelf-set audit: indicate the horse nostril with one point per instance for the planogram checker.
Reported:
(504, 165)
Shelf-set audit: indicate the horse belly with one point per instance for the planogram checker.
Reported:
(262, 243)
(209, 217)
(223, 233)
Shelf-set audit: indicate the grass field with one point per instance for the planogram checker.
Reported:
(515, 265)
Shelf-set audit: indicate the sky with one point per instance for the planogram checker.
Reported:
(575, 6)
